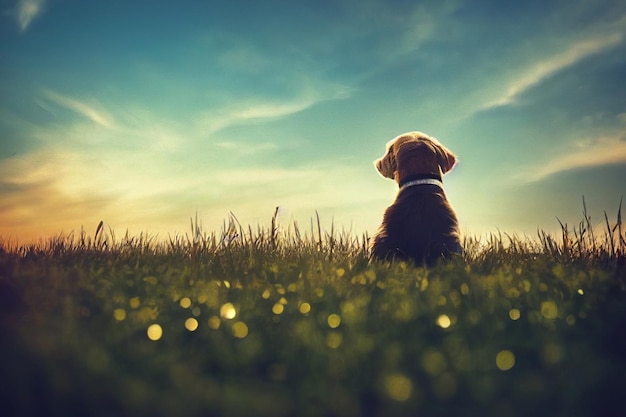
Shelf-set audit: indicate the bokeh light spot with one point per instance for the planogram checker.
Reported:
(228, 311)
(434, 362)
(134, 302)
(334, 340)
(155, 332)
(119, 314)
(278, 308)
(305, 308)
(240, 330)
(514, 314)
(214, 322)
(334, 321)
(505, 360)
(444, 321)
(581, 292)
(549, 310)
(398, 387)
(191, 324)
(185, 302)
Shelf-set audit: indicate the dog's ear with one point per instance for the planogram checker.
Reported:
(386, 165)
(446, 159)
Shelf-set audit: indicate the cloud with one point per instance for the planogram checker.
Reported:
(247, 148)
(606, 151)
(26, 11)
(542, 70)
(99, 117)
(259, 110)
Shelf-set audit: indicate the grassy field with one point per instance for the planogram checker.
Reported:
(271, 322)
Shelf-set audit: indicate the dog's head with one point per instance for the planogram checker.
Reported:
(414, 153)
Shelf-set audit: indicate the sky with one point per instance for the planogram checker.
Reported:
(145, 114)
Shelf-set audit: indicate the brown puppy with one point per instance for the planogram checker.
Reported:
(420, 225)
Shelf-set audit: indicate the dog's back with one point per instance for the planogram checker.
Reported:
(420, 226)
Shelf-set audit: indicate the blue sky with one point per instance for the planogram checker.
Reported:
(144, 113)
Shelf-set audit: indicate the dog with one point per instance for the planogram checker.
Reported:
(420, 226)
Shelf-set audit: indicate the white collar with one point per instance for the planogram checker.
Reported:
(425, 181)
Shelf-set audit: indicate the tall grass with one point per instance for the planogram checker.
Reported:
(583, 243)
(514, 327)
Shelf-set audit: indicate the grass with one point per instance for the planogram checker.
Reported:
(282, 322)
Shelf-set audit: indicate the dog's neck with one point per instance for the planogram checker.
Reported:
(403, 182)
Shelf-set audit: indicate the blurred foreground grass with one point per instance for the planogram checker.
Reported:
(279, 323)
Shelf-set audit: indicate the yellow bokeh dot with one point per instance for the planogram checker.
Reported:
(334, 340)
(398, 387)
(505, 360)
(444, 321)
(514, 314)
(191, 324)
(266, 294)
(334, 321)
(214, 322)
(185, 302)
(278, 308)
(134, 302)
(580, 291)
(155, 332)
(240, 330)
(228, 311)
(549, 310)
(305, 308)
(119, 314)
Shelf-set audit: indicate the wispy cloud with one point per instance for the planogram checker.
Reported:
(605, 151)
(540, 71)
(27, 10)
(246, 112)
(99, 117)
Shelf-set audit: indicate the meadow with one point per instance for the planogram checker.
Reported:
(253, 321)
